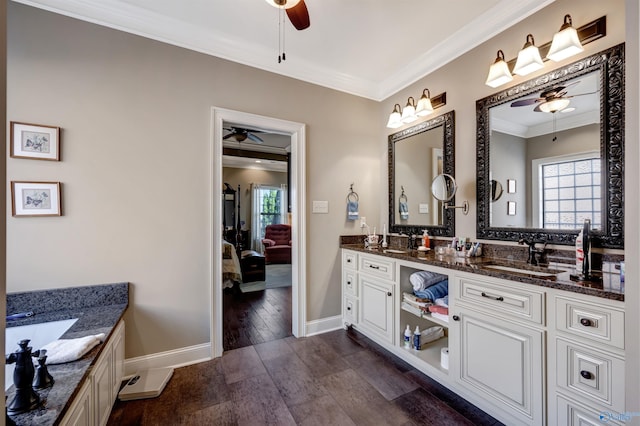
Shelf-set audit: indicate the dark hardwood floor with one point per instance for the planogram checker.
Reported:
(336, 378)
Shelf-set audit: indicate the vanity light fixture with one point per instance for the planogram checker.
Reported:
(424, 104)
(283, 4)
(529, 59)
(499, 73)
(409, 111)
(565, 42)
(395, 118)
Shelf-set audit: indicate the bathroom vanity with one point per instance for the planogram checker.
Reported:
(84, 390)
(528, 349)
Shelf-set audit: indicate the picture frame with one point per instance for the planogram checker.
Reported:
(511, 186)
(34, 141)
(511, 208)
(36, 198)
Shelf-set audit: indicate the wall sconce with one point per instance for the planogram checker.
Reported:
(395, 118)
(529, 59)
(409, 111)
(499, 73)
(412, 112)
(565, 42)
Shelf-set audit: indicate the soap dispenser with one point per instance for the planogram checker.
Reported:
(426, 243)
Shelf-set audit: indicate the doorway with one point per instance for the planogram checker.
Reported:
(296, 191)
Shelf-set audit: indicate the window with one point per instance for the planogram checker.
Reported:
(268, 206)
(569, 191)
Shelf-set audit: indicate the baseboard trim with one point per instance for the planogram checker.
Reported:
(323, 325)
(174, 358)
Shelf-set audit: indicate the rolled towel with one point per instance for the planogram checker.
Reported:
(67, 350)
(404, 210)
(444, 301)
(352, 210)
(423, 279)
(435, 291)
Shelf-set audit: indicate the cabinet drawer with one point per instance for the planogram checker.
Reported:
(350, 282)
(378, 266)
(571, 413)
(349, 259)
(592, 321)
(504, 299)
(594, 375)
(349, 311)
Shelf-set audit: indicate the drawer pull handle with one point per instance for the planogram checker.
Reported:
(586, 322)
(374, 267)
(587, 375)
(499, 298)
(389, 293)
(456, 318)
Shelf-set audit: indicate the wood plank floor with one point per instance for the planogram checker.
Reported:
(337, 378)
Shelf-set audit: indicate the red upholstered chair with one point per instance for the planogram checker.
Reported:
(277, 243)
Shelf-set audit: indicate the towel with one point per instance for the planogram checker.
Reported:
(352, 210)
(67, 350)
(404, 210)
(430, 335)
(442, 301)
(435, 291)
(423, 279)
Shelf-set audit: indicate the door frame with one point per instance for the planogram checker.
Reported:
(298, 217)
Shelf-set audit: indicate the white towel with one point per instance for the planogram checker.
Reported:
(67, 350)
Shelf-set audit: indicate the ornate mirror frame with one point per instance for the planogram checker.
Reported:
(447, 120)
(610, 62)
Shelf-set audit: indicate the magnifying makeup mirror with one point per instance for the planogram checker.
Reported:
(443, 188)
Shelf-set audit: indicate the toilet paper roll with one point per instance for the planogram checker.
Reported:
(444, 358)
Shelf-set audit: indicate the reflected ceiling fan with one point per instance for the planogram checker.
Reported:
(240, 134)
(552, 100)
(298, 15)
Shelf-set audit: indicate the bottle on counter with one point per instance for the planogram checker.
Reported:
(426, 242)
(407, 337)
(416, 338)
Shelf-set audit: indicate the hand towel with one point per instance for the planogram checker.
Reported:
(435, 291)
(404, 210)
(423, 279)
(352, 210)
(67, 350)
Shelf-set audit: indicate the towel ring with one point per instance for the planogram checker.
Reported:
(352, 196)
(403, 197)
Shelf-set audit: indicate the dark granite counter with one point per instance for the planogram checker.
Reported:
(98, 309)
(609, 287)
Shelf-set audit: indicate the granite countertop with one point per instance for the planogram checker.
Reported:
(98, 309)
(609, 287)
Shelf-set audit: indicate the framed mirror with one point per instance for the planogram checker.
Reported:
(560, 136)
(416, 156)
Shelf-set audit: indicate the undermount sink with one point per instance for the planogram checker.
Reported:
(531, 271)
(394, 251)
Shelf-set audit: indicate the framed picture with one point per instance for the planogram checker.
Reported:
(511, 208)
(35, 199)
(35, 141)
(511, 186)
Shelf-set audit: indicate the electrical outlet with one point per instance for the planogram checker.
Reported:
(363, 221)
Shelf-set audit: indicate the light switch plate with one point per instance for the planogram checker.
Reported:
(424, 208)
(320, 207)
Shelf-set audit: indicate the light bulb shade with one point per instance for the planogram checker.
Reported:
(499, 73)
(424, 106)
(409, 111)
(529, 59)
(395, 118)
(554, 105)
(565, 42)
(283, 4)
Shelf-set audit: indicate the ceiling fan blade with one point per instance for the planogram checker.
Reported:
(228, 136)
(299, 16)
(525, 102)
(255, 138)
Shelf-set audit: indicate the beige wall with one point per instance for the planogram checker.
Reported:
(3, 186)
(135, 115)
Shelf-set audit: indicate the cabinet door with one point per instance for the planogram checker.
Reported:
(118, 358)
(376, 307)
(80, 413)
(102, 387)
(502, 362)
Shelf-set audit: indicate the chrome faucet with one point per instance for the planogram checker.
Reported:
(533, 252)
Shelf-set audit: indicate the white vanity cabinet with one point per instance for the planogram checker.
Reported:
(498, 338)
(92, 405)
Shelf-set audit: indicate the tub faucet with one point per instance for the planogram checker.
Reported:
(533, 259)
(25, 398)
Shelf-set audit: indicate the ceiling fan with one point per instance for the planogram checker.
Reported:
(298, 15)
(240, 134)
(551, 100)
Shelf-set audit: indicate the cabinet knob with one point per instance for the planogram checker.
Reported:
(456, 318)
(586, 374)
(348, 308)
(389, 293)
(349, 282)
(586, 322)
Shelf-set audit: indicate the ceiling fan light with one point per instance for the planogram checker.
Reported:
(554, 105)
(565, 42)
(529, 59)
(283, 4)
(395, 118)
(409, 111)
(424, 106)
(499, 73)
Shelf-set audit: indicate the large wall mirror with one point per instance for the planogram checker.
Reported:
(416, 156)
(555, 144)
